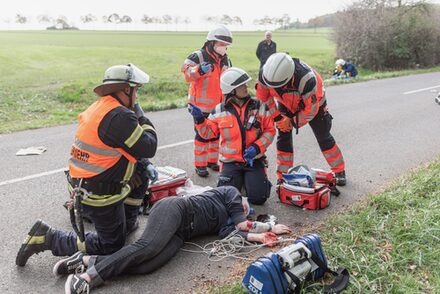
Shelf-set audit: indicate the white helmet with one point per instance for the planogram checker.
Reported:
(117, 77)
(220, 33)
(233, 78)
(340, 62)
(278, 70)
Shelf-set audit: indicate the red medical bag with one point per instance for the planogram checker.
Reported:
(309, 198)
(170, 178)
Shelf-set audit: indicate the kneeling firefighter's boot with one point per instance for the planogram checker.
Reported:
(341, 180)
(202, 171)
(39, 239)
(214, 166)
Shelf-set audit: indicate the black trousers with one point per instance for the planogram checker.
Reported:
(162, 238)
(321, 126)
(253, 179)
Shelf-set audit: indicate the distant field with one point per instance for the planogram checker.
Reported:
(47, 77)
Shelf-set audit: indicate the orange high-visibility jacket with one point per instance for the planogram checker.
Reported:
(230, 121)
(89, 155)
(303, 94)
(204, 90)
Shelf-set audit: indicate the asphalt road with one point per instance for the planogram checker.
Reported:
(382, 132)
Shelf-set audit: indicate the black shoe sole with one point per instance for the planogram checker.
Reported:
(214, 168)
(31, 233)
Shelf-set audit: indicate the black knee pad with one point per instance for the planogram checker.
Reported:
(263, 196)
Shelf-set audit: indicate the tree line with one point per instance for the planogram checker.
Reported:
(283, 21)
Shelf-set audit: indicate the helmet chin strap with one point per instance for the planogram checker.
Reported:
(130, 97)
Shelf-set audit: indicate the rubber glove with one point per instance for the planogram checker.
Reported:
(249, 155)
(205, 68)
(284, 124)
(152, 173)
(195, 111)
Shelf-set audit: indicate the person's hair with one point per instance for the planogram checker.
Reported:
(268, 33)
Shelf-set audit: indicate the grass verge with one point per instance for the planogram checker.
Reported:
(390, 242)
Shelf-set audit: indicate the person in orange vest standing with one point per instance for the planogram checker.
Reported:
(202, 69)
(300, 94)
(246, 130)
(109, 163)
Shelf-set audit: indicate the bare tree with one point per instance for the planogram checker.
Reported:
(126, 19)
(167, 19)
(286, 20)
(44, 18)
(114, 18)
(226, 19)
(237, 20)
(146, 19)
(21, 19)
(88, 18)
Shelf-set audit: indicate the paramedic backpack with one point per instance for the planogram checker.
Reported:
(286, 270)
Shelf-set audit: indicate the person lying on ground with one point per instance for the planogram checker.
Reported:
(171, 222)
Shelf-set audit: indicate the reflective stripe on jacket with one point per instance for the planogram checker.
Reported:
(204, 90)
(89, 155)
(230, 120)
(303, 94)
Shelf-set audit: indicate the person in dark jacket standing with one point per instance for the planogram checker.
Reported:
(172, 221)
(109, 164)
(266, 48)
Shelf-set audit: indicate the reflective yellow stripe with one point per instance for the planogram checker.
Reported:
(81, 245)
(134, 136)
(133, 201)
(128, 172)
(148, 128)
(105, 200)
(35, 240)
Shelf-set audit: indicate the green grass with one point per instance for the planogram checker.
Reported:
(391, 242)
(48, 76)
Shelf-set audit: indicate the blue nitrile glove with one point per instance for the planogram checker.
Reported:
(249, 155)
(152, 173)
(205, 68)
(195, 111)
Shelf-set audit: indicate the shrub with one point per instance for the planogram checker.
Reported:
(381, 35)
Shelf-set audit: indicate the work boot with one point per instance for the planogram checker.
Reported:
(76, 285)
(202, 171)
(39, 239)
(341, 180)
(214, 166)
(71, 265)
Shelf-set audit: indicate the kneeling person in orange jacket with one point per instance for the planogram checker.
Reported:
(246, 130)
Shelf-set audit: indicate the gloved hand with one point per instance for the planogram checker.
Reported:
(138, 110)
(205, 68)
(152, 173)
(249, 155)
(269, 238)
(284, 124)
(195, 111)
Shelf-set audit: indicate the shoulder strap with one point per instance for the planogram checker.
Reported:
(342, 276)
